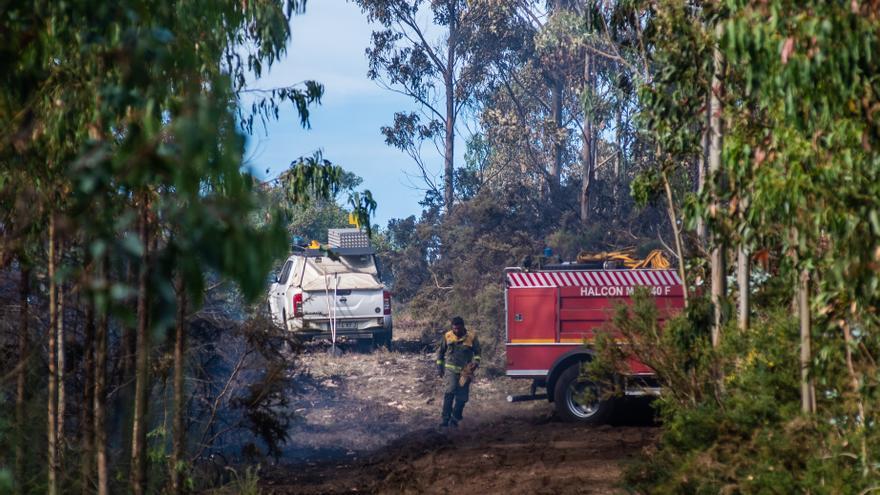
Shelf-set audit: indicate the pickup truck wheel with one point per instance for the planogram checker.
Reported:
(579, 400)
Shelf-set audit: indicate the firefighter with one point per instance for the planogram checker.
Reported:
(457, 359)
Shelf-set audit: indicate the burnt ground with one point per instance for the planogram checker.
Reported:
(368, 423)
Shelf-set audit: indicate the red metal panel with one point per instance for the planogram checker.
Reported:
(537, 357)
(531, 315)
(535, 360)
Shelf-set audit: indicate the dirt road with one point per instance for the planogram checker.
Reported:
(369, 421)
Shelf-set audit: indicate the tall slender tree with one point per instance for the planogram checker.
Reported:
(21, 376)
(717, 265)
(438, 74)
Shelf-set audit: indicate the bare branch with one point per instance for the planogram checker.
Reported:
(216, 405)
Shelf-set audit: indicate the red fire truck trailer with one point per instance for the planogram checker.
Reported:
(551, 313)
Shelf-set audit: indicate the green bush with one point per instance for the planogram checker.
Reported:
(731, 416)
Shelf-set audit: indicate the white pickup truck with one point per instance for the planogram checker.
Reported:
(317, 296)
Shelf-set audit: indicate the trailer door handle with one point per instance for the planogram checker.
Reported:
(517, 317)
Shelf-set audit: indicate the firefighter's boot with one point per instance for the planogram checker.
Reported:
(456, 413)
(447, 408)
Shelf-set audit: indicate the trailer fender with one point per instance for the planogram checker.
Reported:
(562, 363)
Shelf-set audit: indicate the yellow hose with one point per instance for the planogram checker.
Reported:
(655, 259)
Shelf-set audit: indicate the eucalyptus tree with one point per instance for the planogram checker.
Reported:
(124, 120)
(527, 104)
(814, 170)
(428, 62)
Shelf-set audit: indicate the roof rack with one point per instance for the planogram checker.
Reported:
(356, 251)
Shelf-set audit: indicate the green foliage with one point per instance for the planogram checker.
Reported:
(798, 185)
(311, 177)
(646, 187)
(114, 112)
(751, 441)
(5, 481)
(746, 437)
(246, 483)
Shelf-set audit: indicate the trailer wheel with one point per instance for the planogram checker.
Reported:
(568, 396)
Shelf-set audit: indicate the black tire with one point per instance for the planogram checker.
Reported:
(567, 395)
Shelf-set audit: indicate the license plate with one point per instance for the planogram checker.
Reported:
(346, 324)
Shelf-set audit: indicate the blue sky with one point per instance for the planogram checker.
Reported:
(327, 45)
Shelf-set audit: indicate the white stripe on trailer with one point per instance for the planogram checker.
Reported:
(664, 277)
(532, 280)
(515, 280)
(661, 275)
(594, 278)
(546, 280)
(542, 278)
(631, 279)
(566, 279)
(559, 280)
(588, 278)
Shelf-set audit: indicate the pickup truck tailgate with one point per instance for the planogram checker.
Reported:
(346, 303)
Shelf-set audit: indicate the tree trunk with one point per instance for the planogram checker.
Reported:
(717, 263)
(129, 339)
(88, 422)
(557, 90)
(808, 399)
(703, 167)
(743, 271)
(179, 440)
(59, 335)
(100, 396)
(676, 231)
(449, 153)
(449, 83)
(587, 158)
(52, 386)
(138, 473)
(618, 161)
(24, 290)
